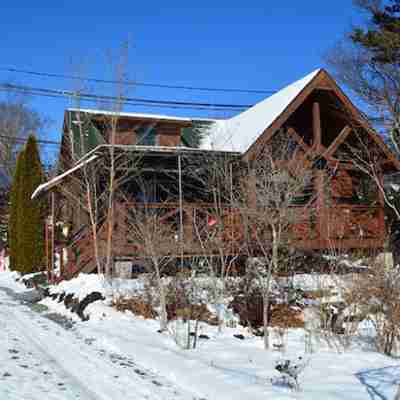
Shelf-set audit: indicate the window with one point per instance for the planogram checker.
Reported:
(146, 136)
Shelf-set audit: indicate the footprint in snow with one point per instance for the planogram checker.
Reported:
(139, 372)
(13, 351)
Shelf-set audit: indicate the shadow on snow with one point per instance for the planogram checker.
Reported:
(380, 383)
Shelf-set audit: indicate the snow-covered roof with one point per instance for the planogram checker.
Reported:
(241, 131)
(131, 115)
(52, 182)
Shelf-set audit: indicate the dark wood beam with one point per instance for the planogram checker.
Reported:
(299, 139)
(316, 125)
(338, 141)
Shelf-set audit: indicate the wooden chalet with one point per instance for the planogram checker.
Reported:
(345, 212)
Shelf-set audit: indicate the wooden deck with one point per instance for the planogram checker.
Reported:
(341, 227)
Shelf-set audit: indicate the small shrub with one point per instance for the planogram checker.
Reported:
(40, 308)
(194, 312)
(136, 305)
(285, 316)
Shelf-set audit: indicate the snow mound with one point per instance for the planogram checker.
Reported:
(84, 284)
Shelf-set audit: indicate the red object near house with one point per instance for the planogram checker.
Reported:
(211, 221)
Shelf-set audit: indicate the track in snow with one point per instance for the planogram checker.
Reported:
(39, 359)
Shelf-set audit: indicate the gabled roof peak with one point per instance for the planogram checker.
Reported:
(241, 131)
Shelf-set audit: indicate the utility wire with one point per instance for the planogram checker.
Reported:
(62, 97)
(137, 83)
(122, 99)
(23, 140)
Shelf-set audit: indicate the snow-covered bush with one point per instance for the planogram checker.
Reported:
(186, 308)
(290, 371)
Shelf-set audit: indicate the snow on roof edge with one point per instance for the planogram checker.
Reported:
(139, 115)
(241, 131)
(60, 177)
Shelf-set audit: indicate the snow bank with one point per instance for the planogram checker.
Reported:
(221, 367)
(9, 279)
(85, 284)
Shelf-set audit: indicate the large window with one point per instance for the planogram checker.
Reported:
(146, 136)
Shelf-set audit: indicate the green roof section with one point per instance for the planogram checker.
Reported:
(193, 136)
(85, 135)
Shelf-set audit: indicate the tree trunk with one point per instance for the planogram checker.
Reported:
(221, 297)
(196, 334)
(163, 302)
(273, 265)
(110, 228)
(397, 395)
(110, 214)
(93, 223)
(265, 318)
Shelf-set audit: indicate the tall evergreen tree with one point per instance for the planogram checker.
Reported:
(32, 212)
(14, 231)
(382, 35)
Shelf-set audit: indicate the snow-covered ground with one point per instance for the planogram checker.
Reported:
(120, 356)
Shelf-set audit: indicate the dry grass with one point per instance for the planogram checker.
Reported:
(136, 305)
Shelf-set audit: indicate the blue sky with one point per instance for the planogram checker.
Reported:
(251, 45)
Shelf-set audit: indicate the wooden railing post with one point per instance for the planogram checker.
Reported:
(322, 216)
(53, 231)
(316, 126)
(181, 230)
(381, 215)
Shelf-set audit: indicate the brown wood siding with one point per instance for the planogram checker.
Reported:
(342, 185)
(125, 138)
(169, 136)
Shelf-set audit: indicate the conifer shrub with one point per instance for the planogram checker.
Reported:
(27, 216)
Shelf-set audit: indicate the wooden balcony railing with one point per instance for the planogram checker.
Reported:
(206, 230)
(340, 225)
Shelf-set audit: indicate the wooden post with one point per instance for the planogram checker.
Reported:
(231, 218)
(381, 214)
(323, 229)
(316, 125)
(46, 240)
(252, 189)
(180, 207)
(62, 260)
(52, 236)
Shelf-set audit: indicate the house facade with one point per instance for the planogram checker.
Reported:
(328, 135)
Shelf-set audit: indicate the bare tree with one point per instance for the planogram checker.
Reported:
(376, 293)
(271, 189)
(216, 227)
(156, 244)
(103, 172)
(17, 121)
(361, 67)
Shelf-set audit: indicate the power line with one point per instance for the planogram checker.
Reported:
(32, 93)
(62, 97)
(138, 83)
(123, 99)
(23, 140)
